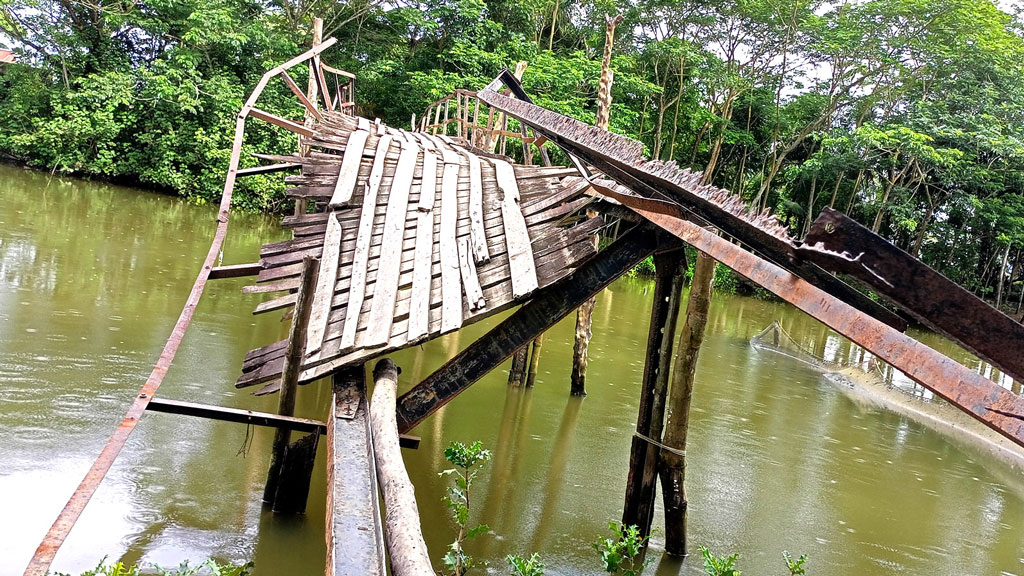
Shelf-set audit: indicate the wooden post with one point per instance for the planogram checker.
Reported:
(402, 532)
(501, 120)
(290, 372)
(584, 319)
(531, 375)
(584, 316)
(517, 372)
(311, 95)
(641, 484)
(673, 461)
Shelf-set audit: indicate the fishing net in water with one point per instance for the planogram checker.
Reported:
(774, 338)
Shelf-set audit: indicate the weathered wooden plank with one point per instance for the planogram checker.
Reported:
(531, 320)
(478, 240)
(267, 169)
(325, 280)
(355, 536)
(474, 295)
(235, 415)
(236, 270)
(383, 305)
(281, 122)
(264, 364)
(419, 308)
(357, 290)
(349, 170)
(451, 288)
(517, 238)
(309, 106)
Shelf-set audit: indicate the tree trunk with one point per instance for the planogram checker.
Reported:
(406, 548)
(1002, 275)
(673, 465)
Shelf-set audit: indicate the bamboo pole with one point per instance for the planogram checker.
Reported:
(531, 374)
(402, 532)
(584, 316)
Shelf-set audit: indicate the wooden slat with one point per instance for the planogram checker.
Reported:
(476, 208)
(318, 74)
(325, 280)
(382, 307)
(310, 107)
(517, 239)
(419, 308)
(253, 170)
(235, 270)
(474, 294)
(358, 275)
(349, 170)
(281, 122)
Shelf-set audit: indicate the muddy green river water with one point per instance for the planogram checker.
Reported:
(92, 277)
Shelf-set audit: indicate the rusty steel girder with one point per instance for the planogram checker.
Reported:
(840, 244)
(620, 158)
(672, 199)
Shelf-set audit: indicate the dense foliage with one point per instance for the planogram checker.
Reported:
(907, 115)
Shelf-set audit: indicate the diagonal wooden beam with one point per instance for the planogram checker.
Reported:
(531, 320)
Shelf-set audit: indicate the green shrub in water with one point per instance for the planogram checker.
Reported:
(525, 567)
(622, 553)
(466, 460)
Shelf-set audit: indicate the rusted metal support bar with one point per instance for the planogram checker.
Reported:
(355, 535)
(268, 169)
(236, 270)
(642, 480)
(979, 397)
(292, 367)
(840, 244)
(530, 321)
(621, 159)
(58, 532)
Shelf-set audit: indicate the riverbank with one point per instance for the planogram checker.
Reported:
(869, 389)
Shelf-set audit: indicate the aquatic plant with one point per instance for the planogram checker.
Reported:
(719, 566)
(466, 460)
(525, 567)
(213, 568)
(795, 567)
(622, 553)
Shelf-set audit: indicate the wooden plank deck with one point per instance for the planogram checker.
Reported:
(427, 236)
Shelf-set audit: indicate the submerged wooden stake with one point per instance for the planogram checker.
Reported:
(641, 483)
(531, 374)
(290, 373)
(517, 372)
(402, 532)
(673, 469)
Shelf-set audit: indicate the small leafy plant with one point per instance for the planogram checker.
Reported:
(525, 567)
(183, 569)
(622, 554)
(466, 460)
(719, 566)
(795, 567)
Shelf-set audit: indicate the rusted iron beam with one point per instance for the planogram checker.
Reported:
(979, 397)
(58, 532)
(355, 535)
(840, 244)
(621, 159)
(530, 321)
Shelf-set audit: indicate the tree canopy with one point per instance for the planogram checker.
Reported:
(908, 115)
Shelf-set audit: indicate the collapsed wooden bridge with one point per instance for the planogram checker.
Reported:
(414, 234)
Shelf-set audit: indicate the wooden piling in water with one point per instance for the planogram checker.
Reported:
(517, 372)
(531, 374)
(673, 459)
(290, 374)
(641, 483)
